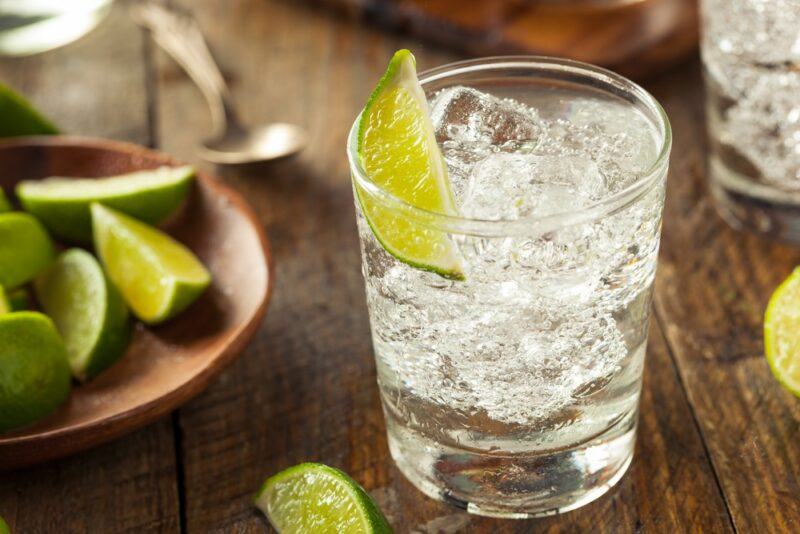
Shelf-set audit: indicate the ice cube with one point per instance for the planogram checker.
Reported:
(513, 186)
(468, 116)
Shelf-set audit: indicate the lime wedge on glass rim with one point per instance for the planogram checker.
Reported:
(782, 333)
(316, 498)
(398, 152)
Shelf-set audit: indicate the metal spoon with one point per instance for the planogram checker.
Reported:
(179, 34)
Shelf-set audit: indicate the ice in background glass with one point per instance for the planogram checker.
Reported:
(751, 57)
(514, 393)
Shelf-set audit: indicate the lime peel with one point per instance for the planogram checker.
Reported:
(782, 333)
(314, 497)
(397, 149)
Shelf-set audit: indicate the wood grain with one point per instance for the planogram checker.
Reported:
(95, 86)
(305, 389)
(711, 294)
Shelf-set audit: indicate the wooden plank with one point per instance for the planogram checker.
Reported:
(712, 290)
(305, 389)
(95, 86)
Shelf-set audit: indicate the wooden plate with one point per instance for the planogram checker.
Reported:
(167, 365)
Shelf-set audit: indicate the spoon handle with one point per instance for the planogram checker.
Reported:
(179, 34)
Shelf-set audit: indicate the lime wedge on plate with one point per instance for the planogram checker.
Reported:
(158, 276)
(782, 333)
(34, 373)
(5, 204)
(19, 117)
(316, 498)
(398, 151)
(62, 204)
(25, 248)
(87, 309)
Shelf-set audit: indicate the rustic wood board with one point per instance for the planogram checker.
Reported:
(723, 458)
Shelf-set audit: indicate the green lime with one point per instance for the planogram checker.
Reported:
(34, 373)
(25, 248)
(87, 309)
(158, 276)
(782, 333)
(316, 498)
(62, 204)
(4, 527)
(398, 151)
(19, 116)
(5, 204)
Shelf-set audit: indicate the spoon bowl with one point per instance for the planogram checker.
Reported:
(260, 143)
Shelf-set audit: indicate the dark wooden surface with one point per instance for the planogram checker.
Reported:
(718, 448)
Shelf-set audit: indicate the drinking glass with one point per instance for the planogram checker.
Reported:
(514, 392)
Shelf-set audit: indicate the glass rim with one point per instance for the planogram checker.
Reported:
(534, 224)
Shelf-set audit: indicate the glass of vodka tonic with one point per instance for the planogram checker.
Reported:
(514, 392)
(751, 59)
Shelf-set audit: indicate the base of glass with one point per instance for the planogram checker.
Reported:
(515, 486)
(749, 205)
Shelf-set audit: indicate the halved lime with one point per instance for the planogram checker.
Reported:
(34, 373)
(158, 276)
(5, 204)
(25, 248)
(62, 204)
(316, 498)
(398, 150)
(782, 333)
(87, 309)
(19, 116)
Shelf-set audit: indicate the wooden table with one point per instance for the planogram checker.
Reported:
(719, 440)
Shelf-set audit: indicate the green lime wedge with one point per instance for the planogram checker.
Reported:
(782, 333)
(62, 204)
(398, 151)
(34, 373)
(87, 309)
(19, 117)
(316, 498)
(4, 527)
(158, 276)
(25, 248)
(5, 204)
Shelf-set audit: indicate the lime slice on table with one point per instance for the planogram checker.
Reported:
(158, 276)
(19, 116)
(34, 373)
(782, 333)
(316, 498)
(62, 204)
(398, 151)
(25, 248)
(87, 309)
(5, 204)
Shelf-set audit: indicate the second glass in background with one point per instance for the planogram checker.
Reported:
(751, 59)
